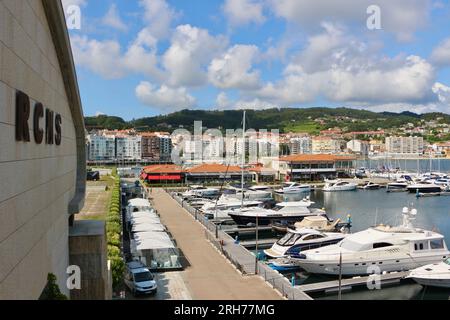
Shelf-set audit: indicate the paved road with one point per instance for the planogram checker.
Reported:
(209, 275)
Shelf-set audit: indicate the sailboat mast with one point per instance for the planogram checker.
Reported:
(243, 160)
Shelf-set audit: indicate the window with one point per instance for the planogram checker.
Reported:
(312, 237)
(143, 276)
(381, 245)
(437, 244)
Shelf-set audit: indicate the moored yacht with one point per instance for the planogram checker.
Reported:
(293, 187)
(301, 239)
(433, 275)
(424, 187)
(283, 211)
(369, 185)
(399, 184)
(201, 192)
(381, 248)
(339, 185)
(214, 208)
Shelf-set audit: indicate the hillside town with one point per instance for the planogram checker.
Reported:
(406, 142)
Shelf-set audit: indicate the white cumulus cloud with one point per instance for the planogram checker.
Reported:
(190, 52)
(112, 19)
(233, 69)
(400, 17)
(164, 98)
(241, 12)
(441, 54)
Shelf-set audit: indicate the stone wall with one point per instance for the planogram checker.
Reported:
(37, 182)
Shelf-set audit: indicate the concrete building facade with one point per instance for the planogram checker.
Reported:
(42, 137)
(404, 145)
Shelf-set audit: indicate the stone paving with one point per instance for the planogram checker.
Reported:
(209, 276)
(96, 201)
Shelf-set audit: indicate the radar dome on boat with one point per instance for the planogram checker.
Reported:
(414, 212)
(405, 210)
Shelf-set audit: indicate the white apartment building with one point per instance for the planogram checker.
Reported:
(300, 145)
(101, 147)
(404, 145)
(358, 146)
(128, 148)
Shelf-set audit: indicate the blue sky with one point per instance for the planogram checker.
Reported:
(148, 57)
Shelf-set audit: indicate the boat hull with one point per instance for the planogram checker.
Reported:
(427, 282)
(356, 267)
(424, 189)
(243, 220)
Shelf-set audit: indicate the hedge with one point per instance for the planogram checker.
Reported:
(113, 233)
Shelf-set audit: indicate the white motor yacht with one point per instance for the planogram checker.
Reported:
(424, 187)
(293, 187)
(249, 194)
(212, 208)
(201, 192)
(283, 211)
(399, 184)
(433, 275)
(295, 241)
(339, 185)
(378, 249)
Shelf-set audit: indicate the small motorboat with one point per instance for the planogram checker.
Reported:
(433, 275)
(283, 265)
(369, 185)
(339, 185)
(293, 187)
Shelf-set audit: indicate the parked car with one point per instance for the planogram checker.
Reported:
(93, 175)
(139, 279)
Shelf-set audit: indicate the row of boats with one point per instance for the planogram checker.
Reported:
(381, 249)
(319, 245)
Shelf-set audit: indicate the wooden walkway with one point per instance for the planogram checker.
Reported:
(346, 284)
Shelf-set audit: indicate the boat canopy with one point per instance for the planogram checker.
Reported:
(143, 220)
(155, 243)
(143, 214)
(146, 227)
(139, 202)
(319, 222)
(150, 235)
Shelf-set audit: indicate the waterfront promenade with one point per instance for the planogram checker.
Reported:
(209, 276)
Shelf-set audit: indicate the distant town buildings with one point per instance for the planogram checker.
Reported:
(127, 145)
(358, 147)
(326, 145)
(300, 145)
(404, 145)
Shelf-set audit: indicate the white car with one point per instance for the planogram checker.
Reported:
(139, 279)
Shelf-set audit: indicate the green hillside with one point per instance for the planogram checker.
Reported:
(310, 120)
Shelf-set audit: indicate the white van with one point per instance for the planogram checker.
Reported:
(139, 279)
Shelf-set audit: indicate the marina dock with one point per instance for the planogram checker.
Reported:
(208, 275)
(348, 284)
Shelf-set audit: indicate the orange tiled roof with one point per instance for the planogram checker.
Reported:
(315, 157)
(162, 168)
(213, 168)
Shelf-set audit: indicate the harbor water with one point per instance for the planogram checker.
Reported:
(371, 207)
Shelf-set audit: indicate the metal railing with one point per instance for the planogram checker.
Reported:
(240, 257)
